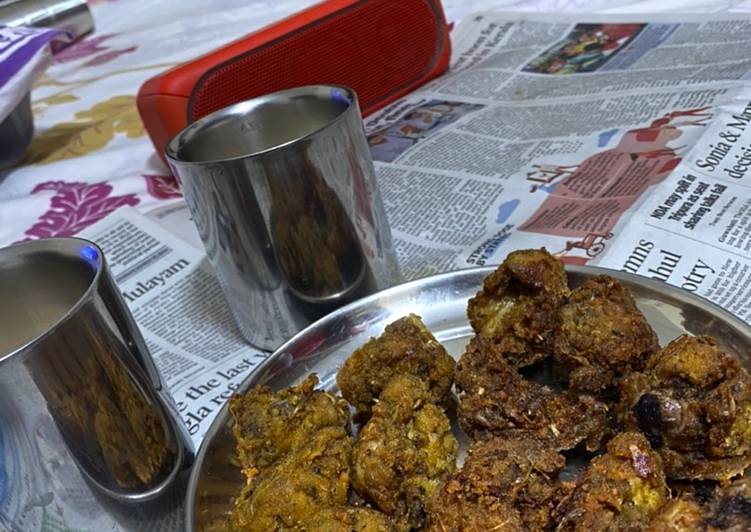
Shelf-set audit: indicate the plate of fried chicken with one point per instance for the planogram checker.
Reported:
(531, 396)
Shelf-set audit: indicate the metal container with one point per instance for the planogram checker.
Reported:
(16, 132)
(282, 190)
(73, 16)
(441, 300)
(80, 397)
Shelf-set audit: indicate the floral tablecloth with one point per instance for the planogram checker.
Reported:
(91, 154)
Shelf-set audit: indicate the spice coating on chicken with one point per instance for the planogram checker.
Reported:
(620, 490)
(494, 399)
(726, 508)
(347, 519)
(682, 514)
(404, 452)
(406, 347)
(730, 507)
(601, 336)
(298, 486)
(268, 425)
(693, 402)
(504, 484)
(518, 305)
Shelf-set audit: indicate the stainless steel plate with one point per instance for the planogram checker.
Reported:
(441, 300)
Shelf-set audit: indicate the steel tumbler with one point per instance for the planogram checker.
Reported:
(81, 402)
(282, 190)
(73, 16)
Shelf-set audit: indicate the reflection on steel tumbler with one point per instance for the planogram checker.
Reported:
(282, 190)
(72, 357)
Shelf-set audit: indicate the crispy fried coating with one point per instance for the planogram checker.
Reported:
(294, 489)
(620, 490)
(683, 514)
(347, 519)
(693, 402)
(504, 484)
(404, 451)
(601, 336)
(406, 347)
(730, 507)
(518, 305)
(726, 508)
(269, 425)
(494, 398)
(295, 449)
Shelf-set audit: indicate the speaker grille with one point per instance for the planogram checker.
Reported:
(338, 50)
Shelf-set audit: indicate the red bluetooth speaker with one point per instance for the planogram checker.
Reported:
(381, 48)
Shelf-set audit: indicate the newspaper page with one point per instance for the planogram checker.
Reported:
(179, 307)
(694, 229)
(571, 135)
(175, 217)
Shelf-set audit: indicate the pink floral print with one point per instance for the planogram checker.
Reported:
(106, 57)
(91, 46)
(75, 206)
(162, 186)
(84, 48)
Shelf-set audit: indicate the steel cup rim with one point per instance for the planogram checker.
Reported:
(172, 148)
(48, 244)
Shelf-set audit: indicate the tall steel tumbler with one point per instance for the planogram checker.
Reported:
(81, 402)
(282, 190)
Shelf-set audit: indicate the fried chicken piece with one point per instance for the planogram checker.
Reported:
(505, 484)
(697, 466)
(518, 305)
(693, 402)
(494, 398)
(269, 425)
(730, 508)
(620, 490)
(404, 451)
(294, 448)
(347, 519)
(601, 336)
(406, 347)
(293, 490)
(679, 515)
(725, 508)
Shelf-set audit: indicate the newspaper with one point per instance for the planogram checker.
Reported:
(615, 142)
(610, 142)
